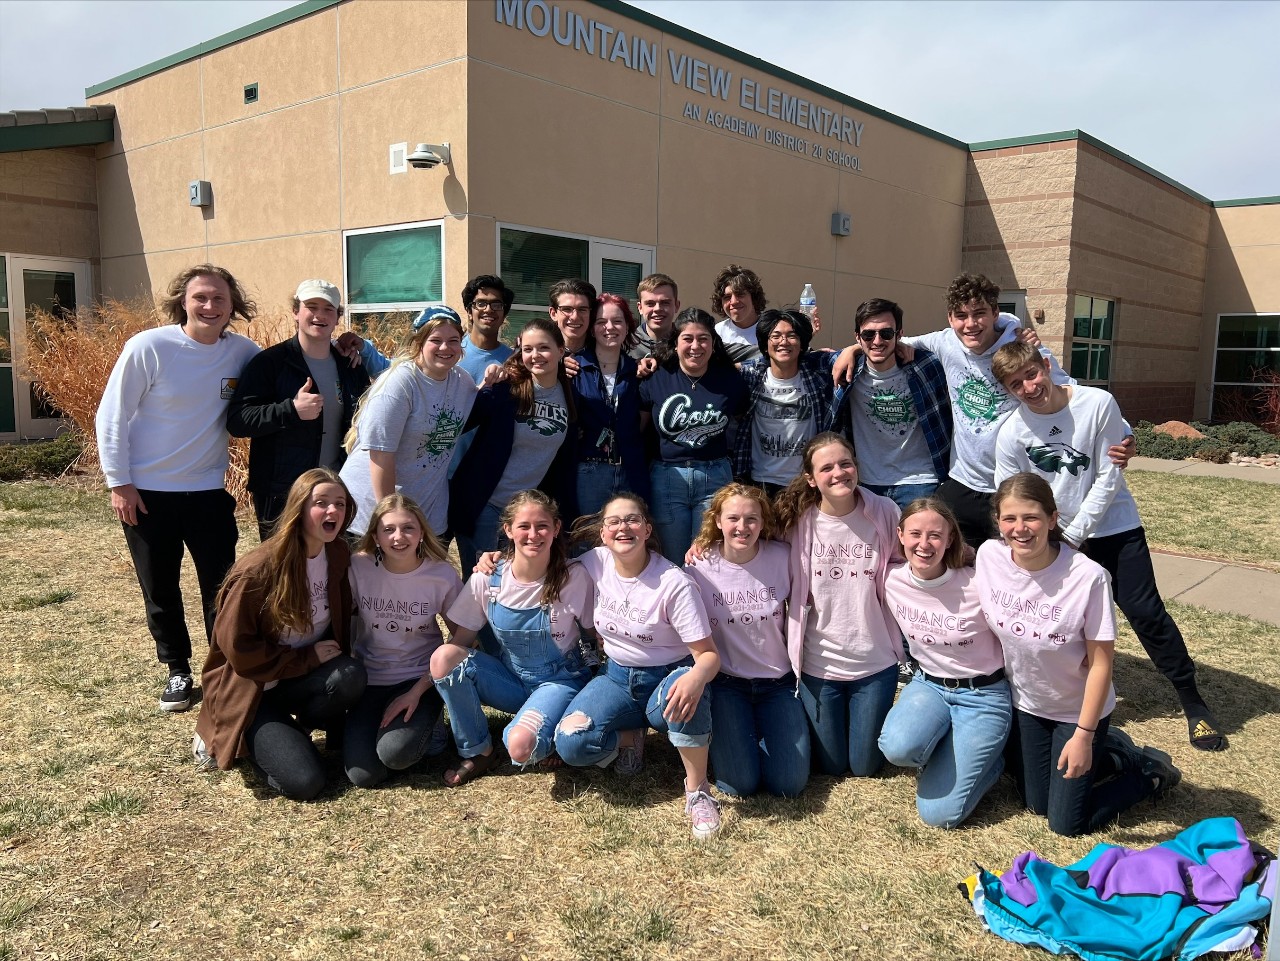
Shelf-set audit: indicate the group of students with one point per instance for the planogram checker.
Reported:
(783, 633)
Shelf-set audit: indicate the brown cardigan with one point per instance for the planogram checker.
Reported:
(245, 652)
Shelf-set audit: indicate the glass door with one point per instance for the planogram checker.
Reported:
(618, 268)
(56, 287)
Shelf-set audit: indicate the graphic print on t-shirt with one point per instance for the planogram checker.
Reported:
(320, 600)
(744, 607)
(891, 411)
(620, 618)
(688, 427)
(445, 431)
(395, 615)
(783, 440)
(546, 419)
(979, 401)
(1027, 618)
(933, 627)
(848, 559)
(1058, 457)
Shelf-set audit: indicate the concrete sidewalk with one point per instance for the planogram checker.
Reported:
(1200, 468)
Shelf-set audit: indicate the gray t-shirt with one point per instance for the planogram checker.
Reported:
(784, 422)
(538, 437)
(324, 374)
(886, 431)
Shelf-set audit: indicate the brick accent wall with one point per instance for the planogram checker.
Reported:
(49, 203)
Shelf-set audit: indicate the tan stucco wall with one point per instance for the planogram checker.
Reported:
(1243, 277)
(49, 203)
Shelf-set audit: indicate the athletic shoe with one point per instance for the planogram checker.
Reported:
(1158, 768)
(439, 738)
(630, 761)
(177, 693)
(704, 812)
(204, 760)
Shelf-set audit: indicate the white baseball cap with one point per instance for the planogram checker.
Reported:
(309, 289)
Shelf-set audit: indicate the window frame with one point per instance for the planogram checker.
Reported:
(1091, 342)
(351, 309)
(1214, 383)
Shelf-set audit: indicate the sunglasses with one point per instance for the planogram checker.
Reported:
(884, 333)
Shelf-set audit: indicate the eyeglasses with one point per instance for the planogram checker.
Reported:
(791, 338)
(631, 520)
(580, 311)
(884, 333)
(496, 306)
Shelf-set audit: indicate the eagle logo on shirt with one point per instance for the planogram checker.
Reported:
(1056, 458)
(546, 419)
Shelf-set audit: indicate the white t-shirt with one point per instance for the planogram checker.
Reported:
(396, 629)
(739, 341)
(162, 423)
(846, 637)
(746, 605)
(574, 606)
(645, 621)
(943, 622)
(418, 419)
(886, 430)
(1043, 620)
(1069, 450)
(783, 422)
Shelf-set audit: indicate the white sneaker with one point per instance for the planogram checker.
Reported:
(204, 760)
(704, 812)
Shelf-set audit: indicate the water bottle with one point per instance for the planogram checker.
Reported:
(808, 301)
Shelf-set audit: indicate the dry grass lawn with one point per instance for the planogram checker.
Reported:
(112, 846)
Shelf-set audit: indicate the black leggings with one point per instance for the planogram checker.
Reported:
(279, 738)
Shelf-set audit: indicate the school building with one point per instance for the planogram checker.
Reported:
(587, 138)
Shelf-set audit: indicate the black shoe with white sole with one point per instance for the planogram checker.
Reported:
(177, 693)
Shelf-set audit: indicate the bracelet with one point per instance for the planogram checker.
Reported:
(1091, 730)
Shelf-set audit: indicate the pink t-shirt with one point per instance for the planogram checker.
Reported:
(318, 588)
(943, 623)
(397, 630)
(645, 621)
(846, 637)
(746, 605)
(1042, 619)
(577, 597)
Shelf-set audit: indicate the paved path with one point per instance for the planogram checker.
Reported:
(1216, 585)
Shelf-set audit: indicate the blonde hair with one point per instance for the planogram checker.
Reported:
(1012, 357)
(173, 304)
(798, 496)
(429, 546)
(953, 557)
(710, 534)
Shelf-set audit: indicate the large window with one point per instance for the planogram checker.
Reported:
(392, 269)
(1248, 348)
(1091, 335)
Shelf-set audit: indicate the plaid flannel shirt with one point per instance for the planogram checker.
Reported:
(815, 383)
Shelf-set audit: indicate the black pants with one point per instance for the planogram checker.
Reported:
(267, 507)
(205, 523)
(1126, 557)
(972, 509)
(279, 738)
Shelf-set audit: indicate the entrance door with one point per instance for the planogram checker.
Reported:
(57, 287)
(617, 268)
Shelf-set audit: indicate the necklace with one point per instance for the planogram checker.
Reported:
(693, 381)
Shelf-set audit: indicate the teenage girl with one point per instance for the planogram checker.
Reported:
(952, 720)
(1051, 608)
(660, 656)
(538, 606)
(401, 578)
(762, 734)
(279, 661)
(843, 646)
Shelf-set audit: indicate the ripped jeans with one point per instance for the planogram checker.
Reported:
(537, 701)
(623, 699)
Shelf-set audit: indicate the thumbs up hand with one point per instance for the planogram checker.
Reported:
(307, 402)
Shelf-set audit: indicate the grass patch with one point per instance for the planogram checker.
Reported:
(1213, 517)
(30, 603)
(104, 819)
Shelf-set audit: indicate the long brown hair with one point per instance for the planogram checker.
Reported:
(429, 546)
(281, 560)
(953, 557)
(558, 565)
(1027, 487)
(587, 529)
(711, 535)
(798, 496)
(520, 378)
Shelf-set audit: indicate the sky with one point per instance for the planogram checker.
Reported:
(1188, 88)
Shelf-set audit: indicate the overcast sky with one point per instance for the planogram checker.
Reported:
(1187, 88)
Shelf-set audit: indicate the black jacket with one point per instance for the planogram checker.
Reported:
(283, 445)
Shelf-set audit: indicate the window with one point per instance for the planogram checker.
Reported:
(1248, 347)
(391, 269)
(1091, 335)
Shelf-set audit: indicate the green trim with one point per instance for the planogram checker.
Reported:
(1248, 202)
(732, 53)
(304, 9)
(1105, 147)
(42, 136)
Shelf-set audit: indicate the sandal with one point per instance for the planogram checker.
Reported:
(470, 768)
(1202, 730)
(552, 762)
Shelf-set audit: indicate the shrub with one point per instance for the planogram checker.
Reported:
(1214, 455)
(49, 458)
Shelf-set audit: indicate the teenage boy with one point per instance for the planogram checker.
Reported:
(571, 305)
(162, 442)
(294, 401)
(895, 413)
(658, 300)
(487, 301)
(738, 297)
(1063, 434)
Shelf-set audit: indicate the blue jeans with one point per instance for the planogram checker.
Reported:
(902, 494)
(762, 736)
(485, 537)
(846, 717)
(956, 737)
(624, 699)
(597, 482)
(682, 492)
(370, 752)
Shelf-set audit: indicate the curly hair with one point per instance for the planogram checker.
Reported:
(970, 287)
(741, 280)
(173, 304)
(711, 535)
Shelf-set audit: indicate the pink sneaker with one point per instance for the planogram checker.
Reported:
(704, 812)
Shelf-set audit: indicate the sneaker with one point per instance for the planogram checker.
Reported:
(439, 738)
(204, 760)
(177, 693)
(704, 812)
(1158, 767)
(630, 761)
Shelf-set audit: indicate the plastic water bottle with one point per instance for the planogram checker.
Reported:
(808, 301)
